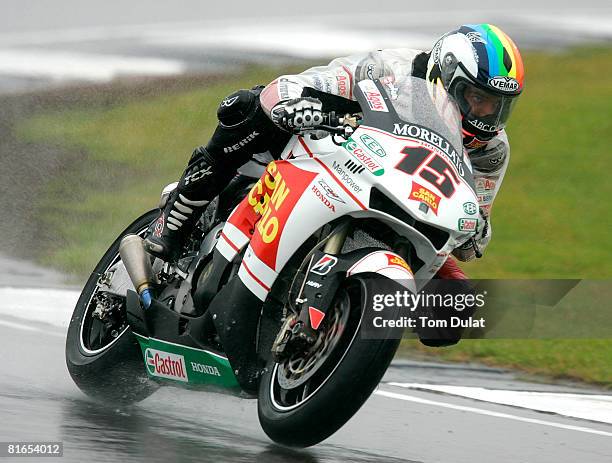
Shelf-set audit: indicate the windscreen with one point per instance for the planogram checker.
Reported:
(415, 108)
(419, 102)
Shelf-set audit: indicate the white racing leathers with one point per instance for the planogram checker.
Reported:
(339, 77)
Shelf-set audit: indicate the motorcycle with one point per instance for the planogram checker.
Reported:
(269, 296)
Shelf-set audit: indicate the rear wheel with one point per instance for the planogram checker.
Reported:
(102, 355)
(309, 396)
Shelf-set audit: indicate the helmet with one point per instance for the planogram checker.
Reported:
(482, 69)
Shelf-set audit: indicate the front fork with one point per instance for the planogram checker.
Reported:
(299, 331)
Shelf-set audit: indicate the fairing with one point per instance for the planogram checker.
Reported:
(408, 148)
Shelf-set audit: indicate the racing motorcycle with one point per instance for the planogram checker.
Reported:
(269, 296)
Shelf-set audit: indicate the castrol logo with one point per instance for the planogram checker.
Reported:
(166, 365)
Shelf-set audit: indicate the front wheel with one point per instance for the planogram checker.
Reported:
(102, 355)
(308, 397)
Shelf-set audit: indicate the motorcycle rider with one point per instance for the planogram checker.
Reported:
(479, 65)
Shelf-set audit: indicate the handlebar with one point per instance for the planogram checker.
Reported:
(338, 125)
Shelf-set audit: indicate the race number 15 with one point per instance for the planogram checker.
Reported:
(436, 170)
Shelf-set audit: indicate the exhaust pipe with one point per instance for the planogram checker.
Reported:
(138, 265)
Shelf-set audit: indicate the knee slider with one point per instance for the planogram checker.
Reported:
(237, 108)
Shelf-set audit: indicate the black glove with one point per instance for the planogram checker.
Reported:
(297, 115)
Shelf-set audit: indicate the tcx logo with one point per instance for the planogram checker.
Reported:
(198, 175)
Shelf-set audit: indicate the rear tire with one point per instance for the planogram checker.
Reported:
(353, 371)
(112, 371)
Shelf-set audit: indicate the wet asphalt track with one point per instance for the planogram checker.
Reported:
(38, 401)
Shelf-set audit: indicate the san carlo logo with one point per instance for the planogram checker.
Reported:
(504, 84)
(373, 145)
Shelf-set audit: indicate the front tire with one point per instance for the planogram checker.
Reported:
(305, 415)
(107, 365)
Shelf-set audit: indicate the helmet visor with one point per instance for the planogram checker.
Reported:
(484, 110)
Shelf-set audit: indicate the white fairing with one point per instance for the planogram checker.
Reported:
(388, 264)
(326, 181)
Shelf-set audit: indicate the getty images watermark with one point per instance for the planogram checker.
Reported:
(426, 310)
(446, 310)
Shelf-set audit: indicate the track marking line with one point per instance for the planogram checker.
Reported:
(592, 407)
(480, 411)
(49, 306)
(65, 65)
(19, 326)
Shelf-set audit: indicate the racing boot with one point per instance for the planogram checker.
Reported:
(166, 236)
(199, 184)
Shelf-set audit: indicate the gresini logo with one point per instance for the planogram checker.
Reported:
(416, 131)
(165, 365)
(505, 84)
(324, 265)
(373, 145)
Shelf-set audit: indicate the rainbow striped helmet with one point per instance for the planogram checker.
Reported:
(482, 69)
